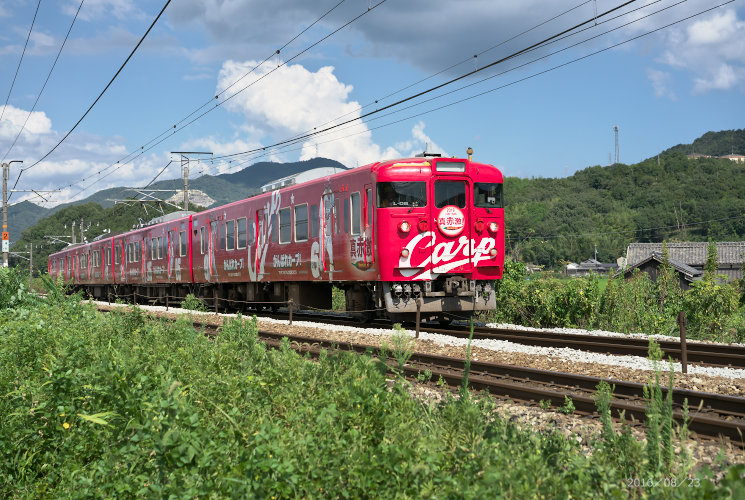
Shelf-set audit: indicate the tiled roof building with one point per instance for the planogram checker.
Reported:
(730, 256)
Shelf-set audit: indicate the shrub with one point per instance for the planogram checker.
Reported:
(193, 303)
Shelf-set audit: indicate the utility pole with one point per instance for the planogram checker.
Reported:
(615, 130)
(30, 266)
(6, 234)
(6, 241)
(185, 159)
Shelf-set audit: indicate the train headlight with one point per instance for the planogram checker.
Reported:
(493, 252)
(404, 227)
(404, 252)
(422, 226)
(479, 226)
(493, 227)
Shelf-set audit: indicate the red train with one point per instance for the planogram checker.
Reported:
(423, 232)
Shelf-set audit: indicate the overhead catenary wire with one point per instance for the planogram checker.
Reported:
(444, 84)
(23, 53)
(142, 39)
(38, 96)
(546, 56)
(275, 149)
(260, 152)
(160, 138)
(143, 150)
(271, 150)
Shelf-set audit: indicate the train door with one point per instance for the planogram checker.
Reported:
(368, 202)
(451, 251)
(328, 222)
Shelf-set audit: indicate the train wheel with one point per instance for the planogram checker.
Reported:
(445, 320)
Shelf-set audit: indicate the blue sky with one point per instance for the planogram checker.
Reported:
(664, 88)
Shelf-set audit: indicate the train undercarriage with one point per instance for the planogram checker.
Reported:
(444, 299)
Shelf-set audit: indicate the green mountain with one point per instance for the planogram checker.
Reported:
(550, 221)
(223, 188)
(23, 215)
(31, 223)
(714, 144)
(596, 212)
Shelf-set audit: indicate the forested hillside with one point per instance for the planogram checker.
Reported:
(714, 144)
(550, 221)
(53, 233)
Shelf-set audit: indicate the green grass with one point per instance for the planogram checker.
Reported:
(116, 406)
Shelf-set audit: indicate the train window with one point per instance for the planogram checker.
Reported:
(336, 215)
(285, 225)
(202, 241)
(402, 194)
(450, 193)
(251, 233)
(301, 222)
(222, 237)
(241, 229)
(182, 243)
(159, 249)
(273, 227)
(314, 222)
(116, 258)
(230, 235)
(356, 212)
(345, 203)
(487, 194)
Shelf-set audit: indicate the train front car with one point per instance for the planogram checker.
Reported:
(440, 223)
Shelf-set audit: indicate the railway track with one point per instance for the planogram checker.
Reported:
(709, 414)
(698, 353)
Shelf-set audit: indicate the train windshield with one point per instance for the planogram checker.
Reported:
(450, 193)
(487, 194)
(402, 194)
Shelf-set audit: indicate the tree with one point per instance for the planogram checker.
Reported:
(712, 262)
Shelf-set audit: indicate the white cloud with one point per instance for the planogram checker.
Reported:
(712, 49)
(77, 161)
(97, 9)
(419, 143)
(13, 118)
(660, 83)
(293, 100)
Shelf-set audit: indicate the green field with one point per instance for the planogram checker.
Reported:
(118, 406)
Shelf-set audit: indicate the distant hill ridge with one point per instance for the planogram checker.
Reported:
(597, 209)
(714, 144)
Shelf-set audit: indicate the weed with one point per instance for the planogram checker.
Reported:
(193, 303)
(545, 404)
(568, 407)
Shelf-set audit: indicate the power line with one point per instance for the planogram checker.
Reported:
(275, 149)
(436, 87)
(625, 231)
(516, 68)
(142, 39)
(33, 21)
(45, 82)
(160, 138)
(268, 149)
